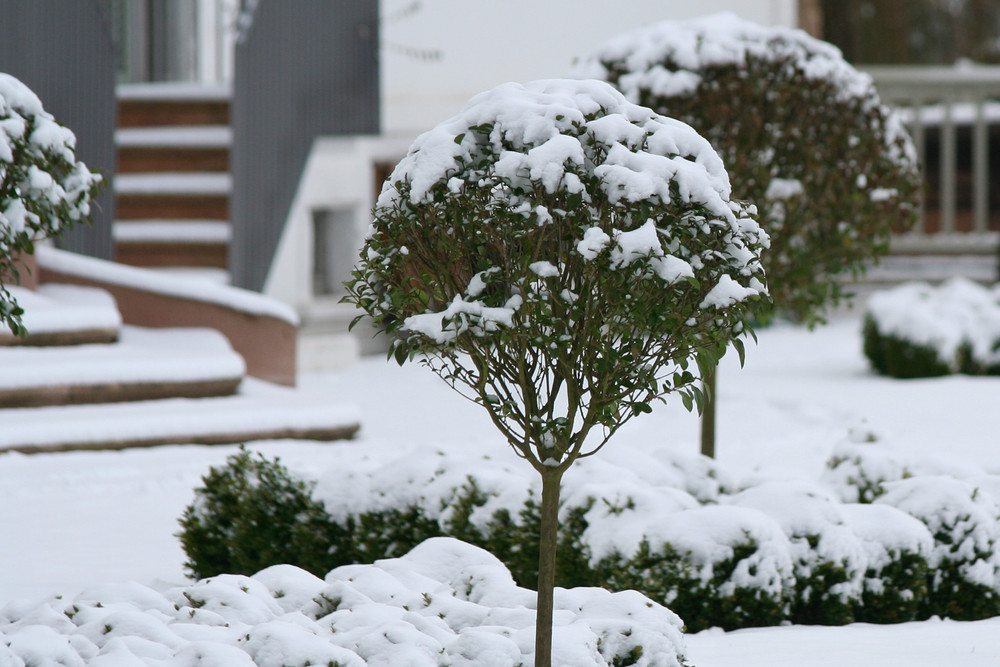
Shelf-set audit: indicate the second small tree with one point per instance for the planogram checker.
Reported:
(802, 133)
(563, 258)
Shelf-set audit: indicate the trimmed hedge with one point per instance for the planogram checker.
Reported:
(917, 330)
(771, 553)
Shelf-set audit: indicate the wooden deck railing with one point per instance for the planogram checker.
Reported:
(953, 114)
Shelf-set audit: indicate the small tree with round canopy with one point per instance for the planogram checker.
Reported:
(563, 258)
(802, 133)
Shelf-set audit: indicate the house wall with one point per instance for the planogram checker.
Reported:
(436, 57)
(432, 60)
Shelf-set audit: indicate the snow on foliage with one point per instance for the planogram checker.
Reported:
(586, 183)
(444, 603)
(43, 189)
(802, 133)
(916, 329)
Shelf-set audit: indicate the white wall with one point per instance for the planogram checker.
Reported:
(483, 43)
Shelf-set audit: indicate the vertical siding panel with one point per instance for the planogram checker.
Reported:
(304, 68)
(62, 50)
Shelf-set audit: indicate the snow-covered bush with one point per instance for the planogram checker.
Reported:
(444, 603)
(43, 189)
(802, 133)
(250, 512)
(715, 566)
(897, 549)
(763, 554)
(916, 330)
(563, 258)
(829, 562)
(859, 471)
(965, 524)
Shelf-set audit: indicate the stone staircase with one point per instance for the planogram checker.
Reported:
(172, 186)
(85, 380)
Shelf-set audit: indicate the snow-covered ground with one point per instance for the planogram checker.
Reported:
(75, 520)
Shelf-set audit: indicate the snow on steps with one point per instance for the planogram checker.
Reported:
(143, 364)
(259, 411)
(58, 314)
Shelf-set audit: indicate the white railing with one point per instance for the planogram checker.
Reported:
(950, 111)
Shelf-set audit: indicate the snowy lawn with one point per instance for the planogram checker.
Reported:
(72, 521)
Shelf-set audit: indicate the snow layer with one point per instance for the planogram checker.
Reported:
(91, 519)
(55, 308)
(160, 283)
(140, 356)
(444, 603)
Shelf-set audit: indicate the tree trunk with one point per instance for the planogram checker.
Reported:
(548, 541)
(708, 414)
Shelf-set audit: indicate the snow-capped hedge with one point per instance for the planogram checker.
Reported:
(854, 545)
(917, 330)
(444, 603)
(43, 189)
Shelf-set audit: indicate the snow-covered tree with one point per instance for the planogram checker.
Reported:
(563, 258)
(802, 134)
(43, 188)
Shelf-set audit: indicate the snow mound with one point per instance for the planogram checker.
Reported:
(444, 603)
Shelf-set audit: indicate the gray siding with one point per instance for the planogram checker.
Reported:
(304, 68)
(62, 50)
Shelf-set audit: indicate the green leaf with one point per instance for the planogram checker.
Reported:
(459, 138)
(740, 350)
(688, 403)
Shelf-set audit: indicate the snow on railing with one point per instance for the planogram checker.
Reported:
(950, 112)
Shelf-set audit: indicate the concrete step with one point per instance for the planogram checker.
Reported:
(258, 411)
(57, 314)
(143, 364)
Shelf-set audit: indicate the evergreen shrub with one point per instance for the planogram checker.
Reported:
(926, 545)
(917, 330)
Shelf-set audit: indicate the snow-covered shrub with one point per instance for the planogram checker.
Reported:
(964, 522)
(802, 133)
(43, 189)
(620, 527)
(252, 512)
(444, 603)
(916, 330)
(828, 557)
(715, 566)
(859, 471)
(897, 548)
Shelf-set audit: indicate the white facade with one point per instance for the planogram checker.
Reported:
(433, 59)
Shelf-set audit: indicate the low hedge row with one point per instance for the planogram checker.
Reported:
(916, 330)
(771, 553)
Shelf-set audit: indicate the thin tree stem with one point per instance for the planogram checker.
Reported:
(708, 414)
(548, 541)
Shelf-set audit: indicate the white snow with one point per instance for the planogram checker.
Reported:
(217, 136)
(54, 308)
(83, 520)
(193, 183)
(159, 283)
(172, 231)
(140, 356)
